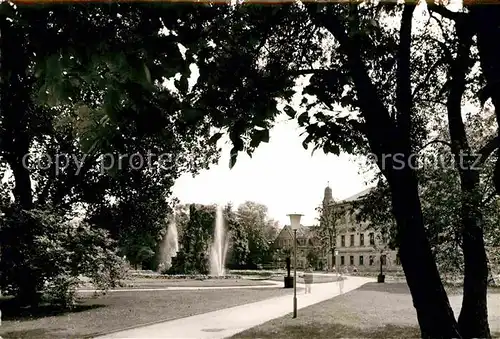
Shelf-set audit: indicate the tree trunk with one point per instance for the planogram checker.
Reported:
(16, 105)
(15, 139)
(332, 250)
(435, 316)
(473, 319)
(22, 190)
(434, 313)
(487, 21)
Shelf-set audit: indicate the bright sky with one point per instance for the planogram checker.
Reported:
(281, 175)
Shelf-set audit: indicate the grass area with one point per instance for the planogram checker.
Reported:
(255, 273)
(317, 279)
(372, 311)
(120, 310)
(159, 283)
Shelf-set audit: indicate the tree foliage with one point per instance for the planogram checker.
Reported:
(45, 253)
(249, 58)
(260, 232)
(72, 132)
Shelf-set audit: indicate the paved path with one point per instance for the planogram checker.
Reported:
(227, 322)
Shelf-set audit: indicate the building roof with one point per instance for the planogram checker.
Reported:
(303, 231)
(358, 196)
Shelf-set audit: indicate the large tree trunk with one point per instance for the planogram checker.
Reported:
(487, 22)
(15, 139)
(15, 108)
(473, 319)
(435, 316)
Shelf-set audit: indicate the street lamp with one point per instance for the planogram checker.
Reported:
(295, 224)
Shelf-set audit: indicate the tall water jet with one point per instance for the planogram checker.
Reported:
(219, 246)
(169, 246)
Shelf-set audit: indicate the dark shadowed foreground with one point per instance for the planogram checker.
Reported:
(372, 311)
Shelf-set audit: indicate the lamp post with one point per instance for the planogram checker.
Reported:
(295, 224)
(381, 276)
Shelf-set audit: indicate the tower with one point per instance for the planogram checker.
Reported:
(327, 197)
(327, 201)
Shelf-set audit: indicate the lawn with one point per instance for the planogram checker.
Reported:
(372, 311)
(317, 279)
(121, 310)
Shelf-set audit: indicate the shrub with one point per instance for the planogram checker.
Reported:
(44, 253)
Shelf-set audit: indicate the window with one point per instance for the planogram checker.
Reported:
(361, 260)
(342, 241)
(352, 240)
(334, 260)
(371, 260)
(383, 259)
(398, 261)
(361, 239)
(372, 239)
(342, 262)
(351, 260)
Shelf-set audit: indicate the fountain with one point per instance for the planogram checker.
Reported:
(169, 246)
(219, 246)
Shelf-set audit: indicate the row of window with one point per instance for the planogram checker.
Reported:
(302, 242)
(371, 260)
(289, 242)
(361, 240)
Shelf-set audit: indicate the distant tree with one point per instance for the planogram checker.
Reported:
(313, 258)
(327, 233)
(238, 243)
(260, 232)
(193, 255)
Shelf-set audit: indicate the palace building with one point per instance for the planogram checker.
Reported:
(357, 246)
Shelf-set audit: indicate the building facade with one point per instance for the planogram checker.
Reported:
(308, 246)
(354, 244)
(357, 245)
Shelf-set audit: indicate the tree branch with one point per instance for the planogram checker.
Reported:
(403, 76)
(444, 12)
(311, 71)
(457, 82)
(380, 126)
(435, 141)
(490, 197)
(489, 148)
(432, 70)
(445, 48)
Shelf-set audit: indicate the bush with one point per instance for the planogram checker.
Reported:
(188, 263)
(44, 253)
